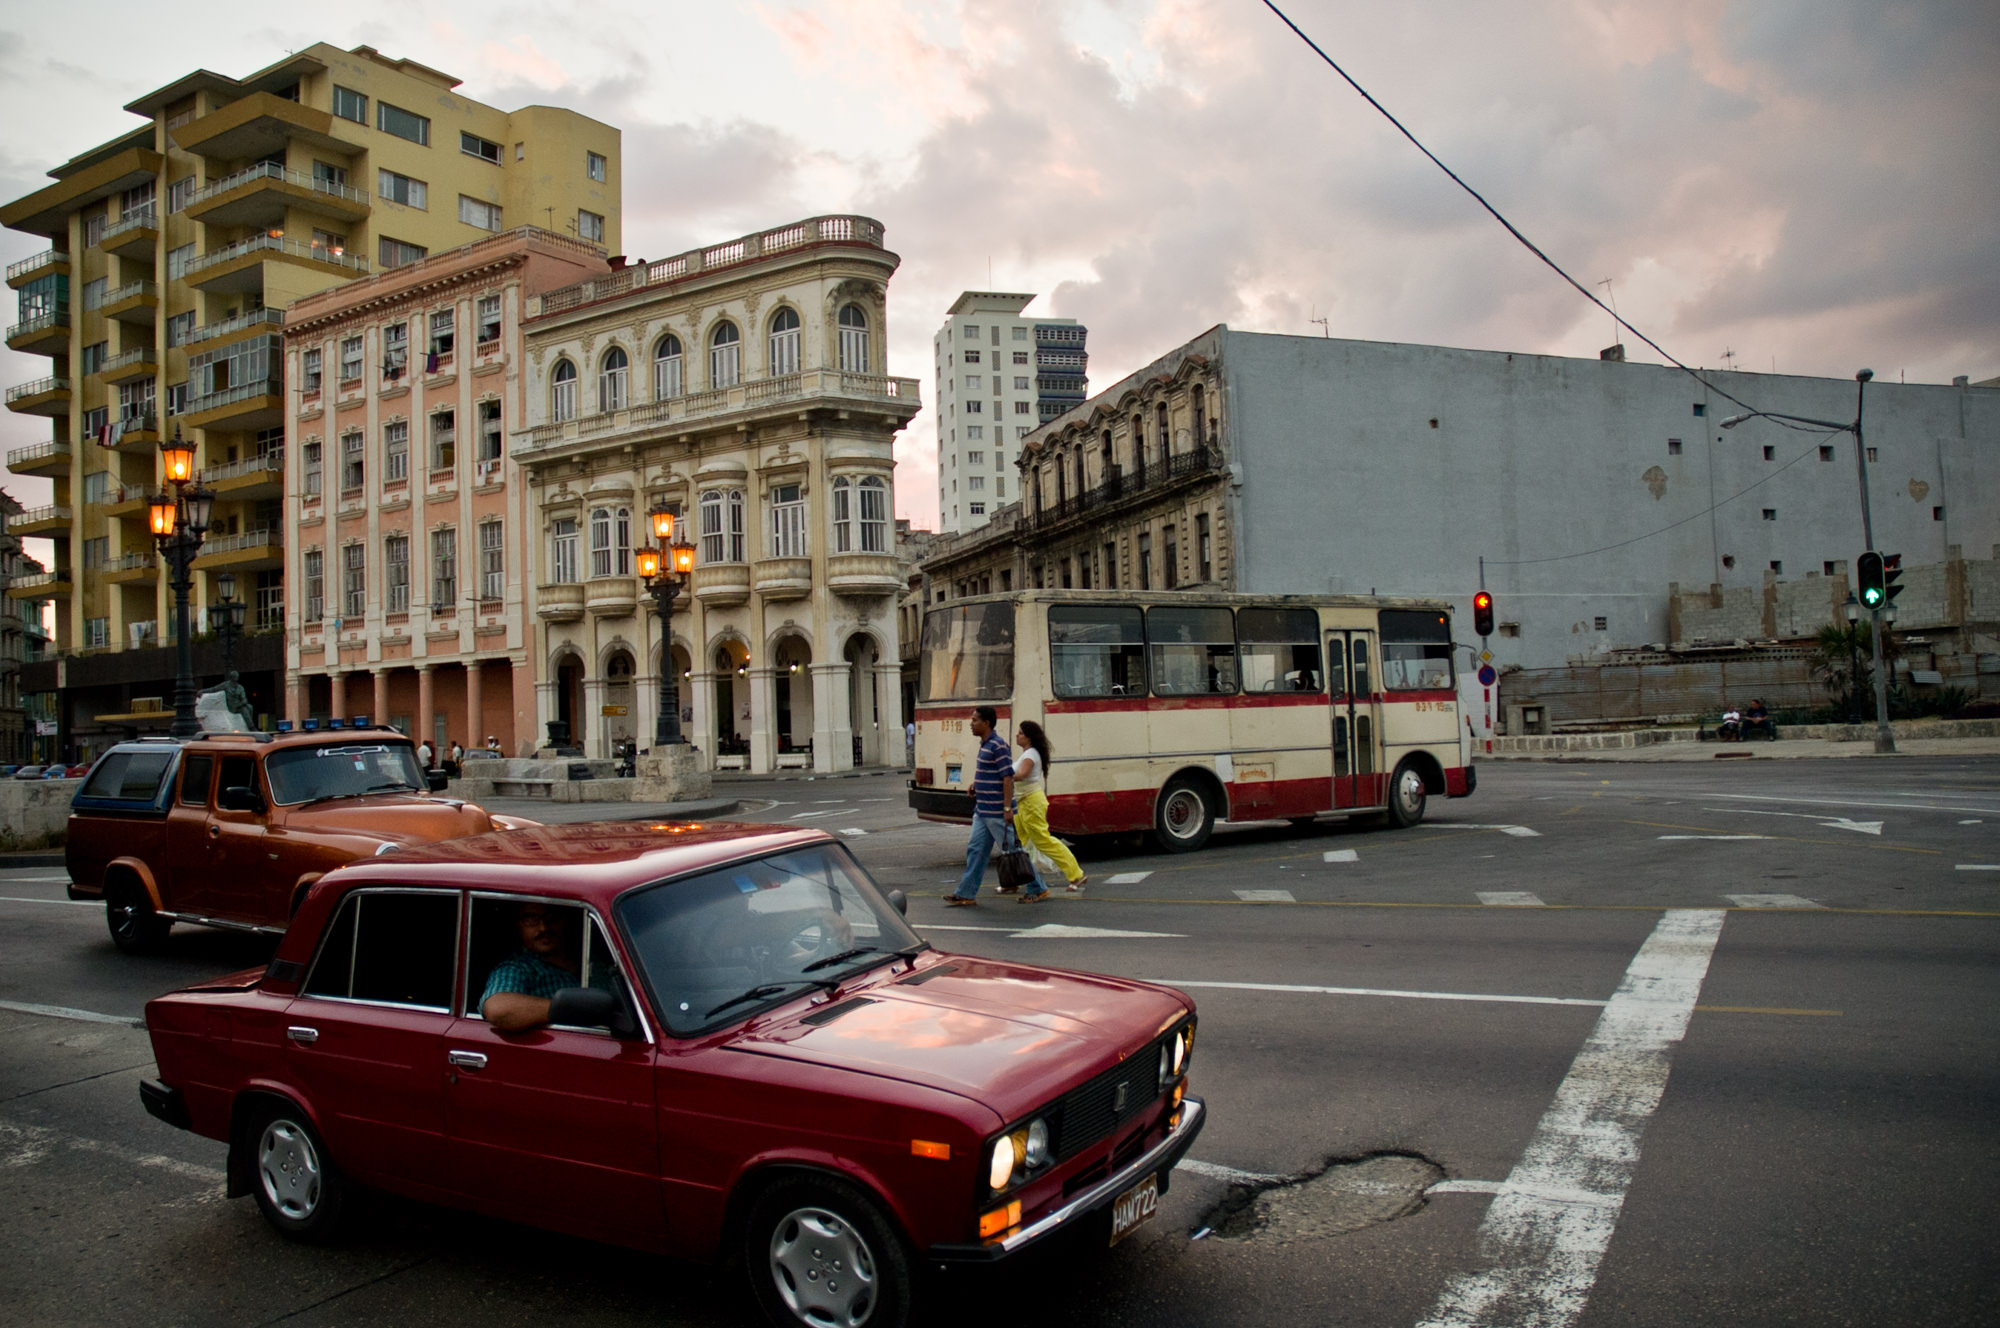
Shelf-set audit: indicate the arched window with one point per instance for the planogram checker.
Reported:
(1202, 433)
(853, 339)
(1166, 434)
(785, 342)
(1139, 441)
(712, 543)
(874, 515)
(667, 368)
(725, 356)
(600, 542)
(613, 380)
(562, 392)
(843, 516)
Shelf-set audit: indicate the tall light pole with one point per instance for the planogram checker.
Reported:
(1852, 608)
(180, 522)
(666, 568)
(1885, 741)
(225, 619)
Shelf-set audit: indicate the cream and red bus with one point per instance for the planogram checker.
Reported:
(1171, 710)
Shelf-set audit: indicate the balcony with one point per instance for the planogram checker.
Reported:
(722, 584)
(258, 405)
(252, 477)
(260, 196)
(50, 458)
(44, 396)
(239, 267)
(48, 263)
(559, 601)
(1122, 490)
(40, 585)
(139, 434)
(133, 569)
(134, 235)
(131, 365)
(235, 328)
(249, 550)
(44, 334)
(42, 521)
(863, 574)
(611, 596)
(127, 500)
(784, 396)
(136, 303)
(783, 578)
(256, 126)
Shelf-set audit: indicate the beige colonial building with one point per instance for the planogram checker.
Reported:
(741, 385)
(1126, 491)
(408, 560)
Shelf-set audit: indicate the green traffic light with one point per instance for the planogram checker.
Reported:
(1868, 573)
(1871, 597)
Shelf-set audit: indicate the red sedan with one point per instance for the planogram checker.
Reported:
(701, 1040)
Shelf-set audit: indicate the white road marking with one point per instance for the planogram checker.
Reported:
(1772, 901)
(1548, 1227)
(853, 833)
(1846, 802)
(1230, 1174)
(1974, 821)
(1127, 878)
(1265, 896)
(65, 1012)
(1518, 831)
(64, 878)
(24, 1145)
(823, 801)
(801, 816)
(1831, 822)
(1340, 855)
(1467, 1187)
(76, 903)
(1510, 899)
(1057, 931)
(1977, 866)
(1382, 991)
(942, 926)
(1715, 836)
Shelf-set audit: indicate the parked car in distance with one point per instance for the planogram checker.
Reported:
(232, 829)
(7, 771)
(28, 772)
(748, 1054)
(57, 772)
(79, 770)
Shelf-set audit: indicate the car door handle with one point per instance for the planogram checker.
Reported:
(467, 1060)
(215, 832)
(300, 1033)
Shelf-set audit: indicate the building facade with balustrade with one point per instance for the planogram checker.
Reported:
(410, 584)
(742, 386)
(173, 252)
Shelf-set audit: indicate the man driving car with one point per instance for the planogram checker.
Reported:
(519, 987)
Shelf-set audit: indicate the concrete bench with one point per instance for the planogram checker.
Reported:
(795, 760)
(732, 763)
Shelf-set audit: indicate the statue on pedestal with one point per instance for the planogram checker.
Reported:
(225, 708)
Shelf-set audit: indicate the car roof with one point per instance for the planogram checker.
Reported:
(593, 861)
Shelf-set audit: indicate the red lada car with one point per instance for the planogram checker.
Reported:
(746, 1052)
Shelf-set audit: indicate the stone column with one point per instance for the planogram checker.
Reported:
(699, 689)
(591, 721)
(889, 705)
(763, 742)
(381, 696)
(337, 704)
(475, 706)
(527, 702)
(833, 731)
(295, 699)
(425, 709)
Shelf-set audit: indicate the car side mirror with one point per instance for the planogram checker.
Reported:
(240, 798)
(438, 780)
(591, 1007)
(901, 901)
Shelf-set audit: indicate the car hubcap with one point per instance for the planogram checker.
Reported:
(1183, 814)
(289, 1168)
(823, 1269)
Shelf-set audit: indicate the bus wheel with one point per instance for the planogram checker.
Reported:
(1406, 796)
(1184, 819)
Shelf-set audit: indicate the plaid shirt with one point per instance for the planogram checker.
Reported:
(528, 974)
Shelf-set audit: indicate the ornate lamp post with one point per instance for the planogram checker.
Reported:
(180, 522)
(1852, 608)
(666, 567)
(226, 619)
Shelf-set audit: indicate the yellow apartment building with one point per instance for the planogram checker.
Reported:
(173, 254)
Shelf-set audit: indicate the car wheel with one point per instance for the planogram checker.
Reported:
(1184, 819)
(135, 927)
(820, 1252)
(1406, 796)
(298, 1188)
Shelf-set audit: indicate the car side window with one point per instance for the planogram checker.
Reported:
(237, 772)
(194, 780)
(502, 956)
(391, 946)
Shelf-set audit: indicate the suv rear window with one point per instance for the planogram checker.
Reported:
(133, 776)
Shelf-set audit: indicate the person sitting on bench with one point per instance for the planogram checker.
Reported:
(1757, 719)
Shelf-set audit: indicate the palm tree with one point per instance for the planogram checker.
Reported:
(1841, 660)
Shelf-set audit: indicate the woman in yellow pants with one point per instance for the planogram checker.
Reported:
(1031, 807)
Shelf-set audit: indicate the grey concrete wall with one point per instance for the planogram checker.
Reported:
(1346, 486)
(34, 812)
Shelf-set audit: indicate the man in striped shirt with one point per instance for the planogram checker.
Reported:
(992, 805)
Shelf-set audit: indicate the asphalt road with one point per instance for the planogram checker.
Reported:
(1446, 1069)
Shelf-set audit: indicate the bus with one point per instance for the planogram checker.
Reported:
(1169, 711)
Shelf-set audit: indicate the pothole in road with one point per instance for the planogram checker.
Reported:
(1345, 1195)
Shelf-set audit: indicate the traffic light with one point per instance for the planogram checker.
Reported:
(1892, 572)
(1868, 574)
(1482, 614)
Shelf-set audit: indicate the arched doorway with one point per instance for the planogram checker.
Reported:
(569, 700)
(791, 679)
(864, 714)
(731, 738)
(618, 704)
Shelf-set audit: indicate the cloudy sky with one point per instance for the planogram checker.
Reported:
(1811, 185)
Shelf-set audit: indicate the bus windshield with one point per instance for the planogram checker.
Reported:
(968, 653)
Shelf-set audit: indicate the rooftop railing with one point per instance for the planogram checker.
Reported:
(29, 266)
(754, 394)
(813, 230)
(36, 388)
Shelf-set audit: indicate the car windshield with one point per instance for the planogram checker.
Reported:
(715, 947)
(346, 770)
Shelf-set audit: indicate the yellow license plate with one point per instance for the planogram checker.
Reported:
(1135, 1208)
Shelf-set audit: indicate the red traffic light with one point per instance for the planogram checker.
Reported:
(1482, 614)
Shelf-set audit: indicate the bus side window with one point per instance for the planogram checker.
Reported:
(1336, 666)
(1279, 649)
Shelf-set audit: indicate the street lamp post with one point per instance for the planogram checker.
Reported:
(1885, 741)
(179, 522)
(225, 619)
(1852, 608)
(666, 568)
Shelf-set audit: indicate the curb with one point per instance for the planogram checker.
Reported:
(12, 860)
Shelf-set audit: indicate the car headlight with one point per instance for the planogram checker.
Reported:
(1180, 1050)
(1000, 1169)
(1035, 1151)
(1166, 1064)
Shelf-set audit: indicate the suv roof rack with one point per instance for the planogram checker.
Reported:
(234, 735)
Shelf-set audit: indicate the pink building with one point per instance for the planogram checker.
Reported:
(407, 566)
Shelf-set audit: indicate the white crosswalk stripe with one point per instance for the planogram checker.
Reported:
(1510, 899)
(1772, 901)
(1265, 896)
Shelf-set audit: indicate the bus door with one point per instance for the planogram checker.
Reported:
(1357, 719)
